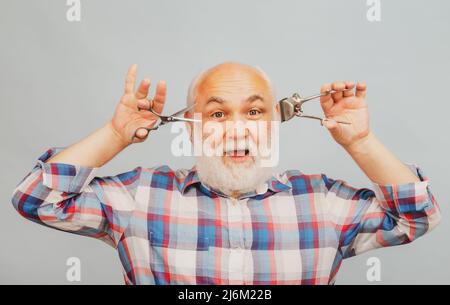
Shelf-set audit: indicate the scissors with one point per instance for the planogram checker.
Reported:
(163, 119)
(292, 106)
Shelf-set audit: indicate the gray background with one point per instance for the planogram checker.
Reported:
(61, 80)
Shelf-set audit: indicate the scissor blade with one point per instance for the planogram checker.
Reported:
(185, 119)
(186, 109)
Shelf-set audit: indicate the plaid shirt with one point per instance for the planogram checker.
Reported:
(169, 228)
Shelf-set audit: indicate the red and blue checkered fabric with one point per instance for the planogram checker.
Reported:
(169, 228)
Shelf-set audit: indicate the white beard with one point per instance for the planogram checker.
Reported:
(233, 177)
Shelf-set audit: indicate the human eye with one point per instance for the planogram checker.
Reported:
(218, 114)
(254, 112)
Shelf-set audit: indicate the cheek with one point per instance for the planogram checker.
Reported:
(212, 133)
(253, 134)
(264, 132)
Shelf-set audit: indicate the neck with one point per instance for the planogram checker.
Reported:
(235, 194)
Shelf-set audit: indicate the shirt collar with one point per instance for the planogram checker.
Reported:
(276, 183)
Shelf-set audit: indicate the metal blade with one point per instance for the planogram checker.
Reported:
(186, 109)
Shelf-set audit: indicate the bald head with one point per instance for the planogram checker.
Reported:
(232, 79)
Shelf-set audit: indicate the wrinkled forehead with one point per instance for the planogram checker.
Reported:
(233, 83)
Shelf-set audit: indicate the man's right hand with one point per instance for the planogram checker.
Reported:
(132, 111)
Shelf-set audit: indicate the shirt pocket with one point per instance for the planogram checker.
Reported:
(176, 259)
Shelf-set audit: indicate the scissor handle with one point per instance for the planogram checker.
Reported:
(155, 127)
(301, 100)
(301, 115)
(163, 119)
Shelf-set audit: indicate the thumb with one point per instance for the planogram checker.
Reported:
(330, 124)
(138, 130)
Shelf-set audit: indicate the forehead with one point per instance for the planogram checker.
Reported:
(232, 81)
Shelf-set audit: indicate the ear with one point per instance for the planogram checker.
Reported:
(189, 124)
(189, 129)
(277, 111)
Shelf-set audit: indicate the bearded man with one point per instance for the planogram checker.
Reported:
(228, 219)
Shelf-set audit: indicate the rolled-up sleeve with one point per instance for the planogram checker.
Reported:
(73, 199)
(386, 215)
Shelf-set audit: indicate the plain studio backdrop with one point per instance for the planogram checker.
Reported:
(61, 80)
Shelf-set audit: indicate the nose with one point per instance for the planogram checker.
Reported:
(236, 130)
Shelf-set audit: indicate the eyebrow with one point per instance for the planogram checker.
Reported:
(250, 99)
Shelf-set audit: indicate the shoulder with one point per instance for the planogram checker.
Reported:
(163, 176)
(164, 170)
(303, 183)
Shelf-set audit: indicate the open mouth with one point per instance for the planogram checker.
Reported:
(237, 153)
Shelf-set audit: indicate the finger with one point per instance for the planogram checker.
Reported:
(325, 101)
(338, 86)
(361, 90)
(141, 133)
(144, 104)
(142, 91)
(349, 85)
(160, 97)
(330, 124)
(141, 128)
(130, 79)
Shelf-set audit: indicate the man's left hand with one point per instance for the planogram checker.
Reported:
(349, 106)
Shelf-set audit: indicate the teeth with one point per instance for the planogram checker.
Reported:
(237, 152)
(230, 146)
